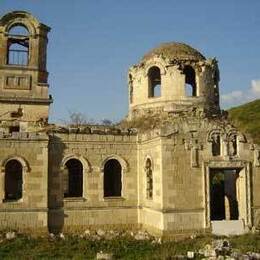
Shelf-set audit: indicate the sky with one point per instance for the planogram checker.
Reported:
(93, 43)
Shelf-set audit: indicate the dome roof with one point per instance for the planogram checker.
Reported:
(175, 51)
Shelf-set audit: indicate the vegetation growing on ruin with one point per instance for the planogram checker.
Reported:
(76, 247)
(247, 118)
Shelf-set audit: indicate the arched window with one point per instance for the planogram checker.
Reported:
(18, 46)
(154, 81)
(190, 81)
(73, 179)
(149, 179)
(232, 145)
(13, 180)
(216, 144)
(112, 178)
(18, 30)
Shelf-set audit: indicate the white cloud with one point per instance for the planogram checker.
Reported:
(255, 86)
(237, 97)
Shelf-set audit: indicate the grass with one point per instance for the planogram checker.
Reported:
(247, 118)
(74, 247)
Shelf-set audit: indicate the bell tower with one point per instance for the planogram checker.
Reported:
(24, 85)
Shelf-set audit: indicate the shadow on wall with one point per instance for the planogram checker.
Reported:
(55, 191)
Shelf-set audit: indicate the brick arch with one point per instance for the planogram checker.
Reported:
(85, 163)
(155, 64)
(121, 160)
(20, 159)
(20, 18)
(214, 131)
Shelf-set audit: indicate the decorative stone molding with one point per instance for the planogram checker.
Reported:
(21, 18)
(123, 163)
(257, 158)
(213, 132)
(24, 163)
(226, 164)
(155, 63)
(194, 146)
(256, 155)
(85, 163)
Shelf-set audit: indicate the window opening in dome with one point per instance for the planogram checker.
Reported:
(190, 81)
(154, 79)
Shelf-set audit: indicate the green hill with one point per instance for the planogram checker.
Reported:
(247, 118)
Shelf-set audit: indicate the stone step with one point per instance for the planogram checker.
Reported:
(228, 227)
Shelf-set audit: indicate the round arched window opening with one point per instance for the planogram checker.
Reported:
(13, 180)
(112, 178)
(18, 30)
(73, 179)
(190, 81)
(154, 82)
(18, 46)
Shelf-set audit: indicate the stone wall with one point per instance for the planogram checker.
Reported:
(93, 151)
(31, 211)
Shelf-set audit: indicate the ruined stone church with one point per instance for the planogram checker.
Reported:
(174, 165)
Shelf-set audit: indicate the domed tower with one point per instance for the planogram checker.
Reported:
(171, 78)
(24, 85)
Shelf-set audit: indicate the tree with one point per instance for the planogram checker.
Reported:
(77, 119)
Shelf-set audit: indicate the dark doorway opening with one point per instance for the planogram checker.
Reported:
(223, 194)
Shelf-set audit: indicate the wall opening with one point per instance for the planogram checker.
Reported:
(216, 147)
(223, 194)
(73, 179)
(13, 129)
(154, 81)
(190, 81)
(232, 148)
(13, 180)
(112, 178)
(18, 30)
(18, 46)
(149, 179)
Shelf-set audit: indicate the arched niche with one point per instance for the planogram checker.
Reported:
(149, 177)
(215, 138)
(148, 157)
